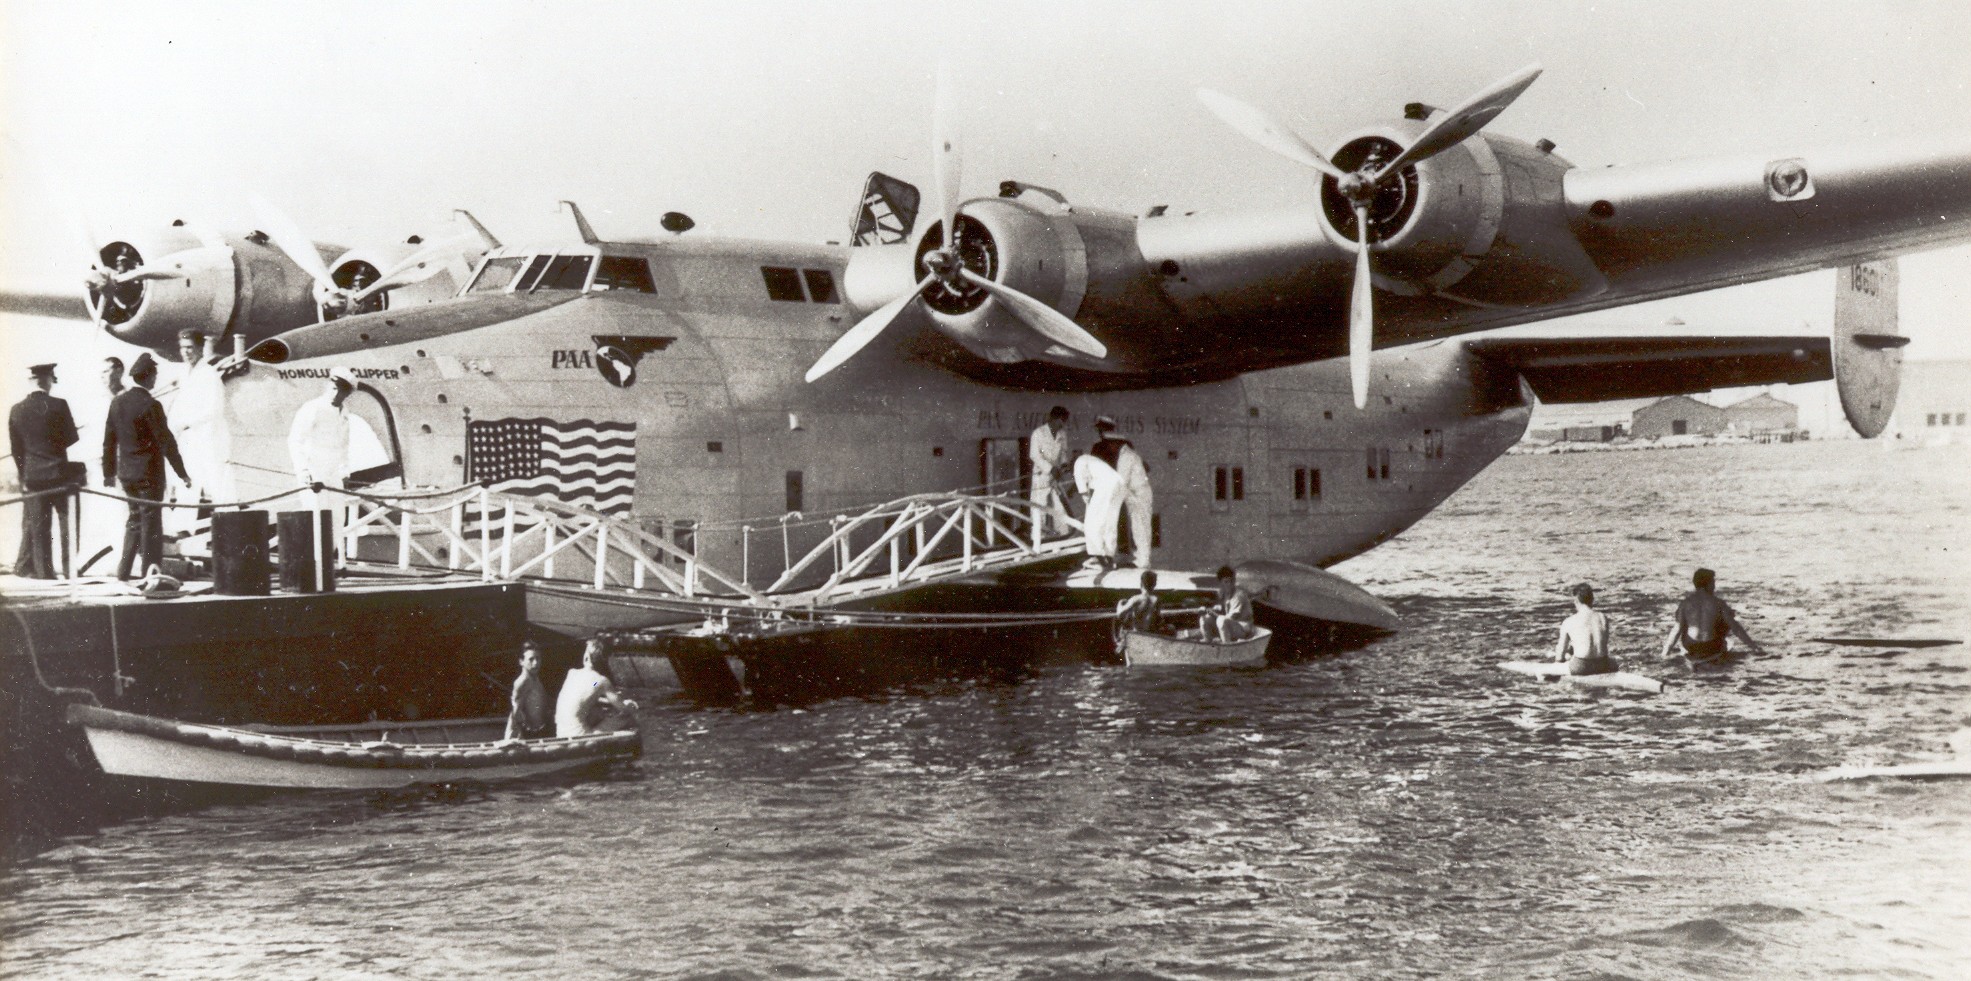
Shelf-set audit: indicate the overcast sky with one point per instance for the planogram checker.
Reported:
(368, 121)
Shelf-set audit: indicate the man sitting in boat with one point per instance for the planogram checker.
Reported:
(1140, 612)
(1704, 621)
(1230, 618)
(530, 717)
(587, 698)
(1583, 640)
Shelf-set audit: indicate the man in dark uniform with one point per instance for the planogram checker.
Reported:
(137, 443)
(41, 430)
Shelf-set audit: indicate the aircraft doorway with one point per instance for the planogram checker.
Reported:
(376, 455)
(1003, 465)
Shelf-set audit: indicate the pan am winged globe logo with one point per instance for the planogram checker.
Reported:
(616, 356)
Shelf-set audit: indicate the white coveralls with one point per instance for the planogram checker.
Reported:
(318, 441)
(1102, 487)
(1048, 454)
(1137, 496)
(205, 439)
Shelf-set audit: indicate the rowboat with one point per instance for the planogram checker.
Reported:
(1557, 671)
(366, 756)
(1157, 650)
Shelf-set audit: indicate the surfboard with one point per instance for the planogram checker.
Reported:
(1557, 671)
(1945, 770)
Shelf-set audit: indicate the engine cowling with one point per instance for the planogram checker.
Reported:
(1019, 246)
(215, 285)
(1482, 222)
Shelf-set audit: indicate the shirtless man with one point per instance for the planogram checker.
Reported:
(584, 694)
(1583, 640)
(1230, 618)
(1140, 612)
(530, 717)
(1703, 621)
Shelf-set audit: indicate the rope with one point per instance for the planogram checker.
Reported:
(27, 640)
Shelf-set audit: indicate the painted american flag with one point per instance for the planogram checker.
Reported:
(584, 463)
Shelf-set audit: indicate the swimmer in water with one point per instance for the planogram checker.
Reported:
(530, 716)
(1583, 640)
(1704, 621)
(586, 694)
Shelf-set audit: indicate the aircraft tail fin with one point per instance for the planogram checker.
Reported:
(887, 211)
(1867, 345)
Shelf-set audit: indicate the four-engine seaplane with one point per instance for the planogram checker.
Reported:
(1303, 382)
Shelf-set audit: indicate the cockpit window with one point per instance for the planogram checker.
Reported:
(624, 272)
(566, 272)
(533, 273)
(496, 275)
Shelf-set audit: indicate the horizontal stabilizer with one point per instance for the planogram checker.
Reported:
(1604, 369)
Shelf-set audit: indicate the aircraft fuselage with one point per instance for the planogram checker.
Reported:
(707, 367)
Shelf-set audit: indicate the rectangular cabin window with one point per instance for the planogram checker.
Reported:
(1156, 530)
(1960, 418)
(496, 274)
(793, 490)
(1314, 483)
(783, 284)
(821, 285)
(1238, 483)
(566, 272)
(1930, 420)
(533, 273)
(1219, 484)
(625, 272)
(1372, 463)
(1300, 483)
(1385, 463)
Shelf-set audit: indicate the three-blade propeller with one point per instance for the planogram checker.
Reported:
(1445, 130)
(946, 267)
(428, 261)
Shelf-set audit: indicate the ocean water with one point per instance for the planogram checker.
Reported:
(1400, 810)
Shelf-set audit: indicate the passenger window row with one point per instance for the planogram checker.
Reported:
(785, 283)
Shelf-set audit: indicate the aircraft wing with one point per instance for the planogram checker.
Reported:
(58, 305)
(1602, 369)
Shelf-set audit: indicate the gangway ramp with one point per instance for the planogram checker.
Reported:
(588, 572)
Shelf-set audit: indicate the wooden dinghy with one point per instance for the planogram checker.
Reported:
(1141, 649)
(369, 756)
(1557, 670)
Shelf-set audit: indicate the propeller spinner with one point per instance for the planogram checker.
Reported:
(956, 263)
(1369, 186)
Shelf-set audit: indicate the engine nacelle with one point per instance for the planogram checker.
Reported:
(1482, 222)
(1037, 253)
(244, 287)
(209, 284)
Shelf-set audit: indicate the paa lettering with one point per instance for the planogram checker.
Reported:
(583, 358)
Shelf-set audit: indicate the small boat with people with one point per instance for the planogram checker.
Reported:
(363, 756)
(1559, 671)
(1144, 649)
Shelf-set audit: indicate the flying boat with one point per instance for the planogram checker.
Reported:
(1304, 381)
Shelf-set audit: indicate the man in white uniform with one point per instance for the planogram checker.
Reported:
(318, 440)
(1047, 448)
(1099, 483)
(198, 413)
(1136, 496)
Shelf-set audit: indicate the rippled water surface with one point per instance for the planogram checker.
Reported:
(1404, 809)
